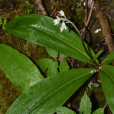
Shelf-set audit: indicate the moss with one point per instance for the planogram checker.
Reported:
(8, 93)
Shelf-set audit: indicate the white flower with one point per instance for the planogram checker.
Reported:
(63, 26)
(56, 21)
(61, 18)
(61, 13)
(97, 30)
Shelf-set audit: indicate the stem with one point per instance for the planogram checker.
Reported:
(74, 27)
(81, 40)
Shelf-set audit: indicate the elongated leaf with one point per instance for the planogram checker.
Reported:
(85, 105)
(64, 110)
(18, 68)
(50, 93)
(107, 81)
(108, 59)
(40, 29)
(52, 52)
(97, 55)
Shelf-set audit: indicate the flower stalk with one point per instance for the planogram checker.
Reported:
(64, 20)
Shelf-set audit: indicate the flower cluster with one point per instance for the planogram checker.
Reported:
(61, 18)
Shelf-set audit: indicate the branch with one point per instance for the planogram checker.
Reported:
(39, 3)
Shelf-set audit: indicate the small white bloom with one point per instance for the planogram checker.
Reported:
(63, 26)
(56, 21)
(61, 13)
(97, 30)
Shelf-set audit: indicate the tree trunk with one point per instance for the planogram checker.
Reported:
(103, 22)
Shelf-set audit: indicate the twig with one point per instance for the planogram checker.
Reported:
(53, 12)
(88, 20)
(39, 3)
(95, 15)
(105, 105)
(108, 15)
(90, 13)
(86, 3)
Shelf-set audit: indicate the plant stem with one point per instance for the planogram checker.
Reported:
(81, 40)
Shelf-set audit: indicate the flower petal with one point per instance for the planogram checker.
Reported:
(56, 21)
(63, 26)
(61, 13)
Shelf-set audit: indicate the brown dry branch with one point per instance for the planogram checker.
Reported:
(86, 7)
(83, 31)
(103, 22)
(39, 3)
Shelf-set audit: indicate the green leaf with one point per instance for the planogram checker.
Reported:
(63, 66)
(107, 81)
(0, 21)
(64, 110)
(3, 27)
(32, 6)
(44, 63)
(27, 2)
(52, 69)
(50, 93)
(99, 111)
(48, 64)
(4, 21)
(41, 30)
(64, 56)
(108, 59)
(95, 85)
(52, 52)
(97, 55)
(18, 68)
(85, 105)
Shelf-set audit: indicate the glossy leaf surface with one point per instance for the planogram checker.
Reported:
(18, 68)
(50, 93)
(107, 81)
(108, 59)
(40, 29)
